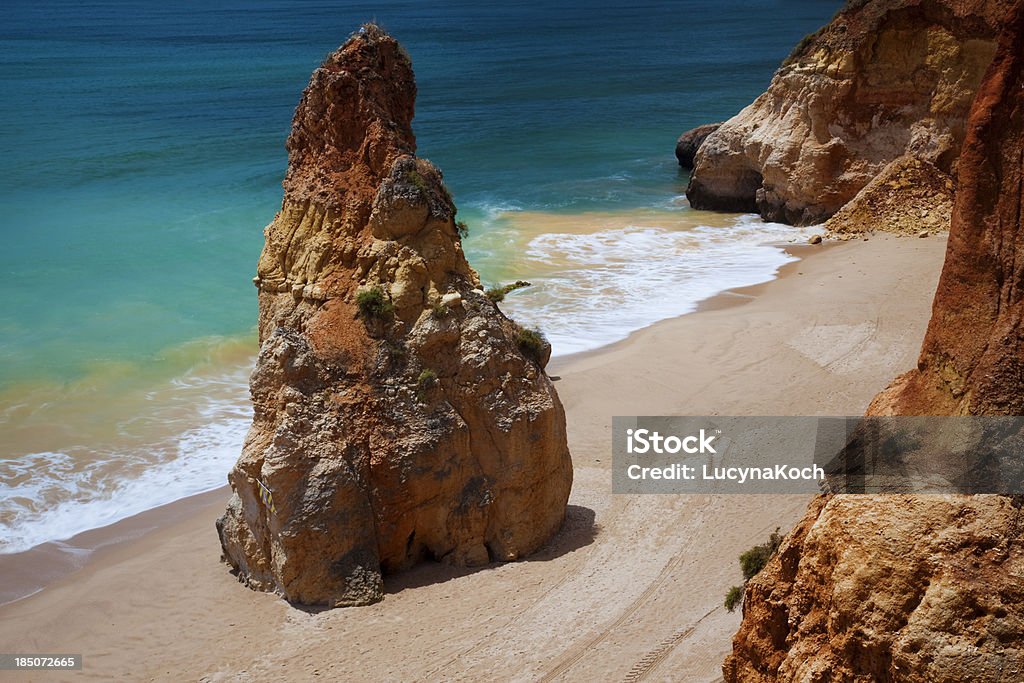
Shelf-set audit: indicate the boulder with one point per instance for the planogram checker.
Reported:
(690, 141)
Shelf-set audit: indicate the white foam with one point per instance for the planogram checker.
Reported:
(620, 280)
(613, 282)
(53, 496)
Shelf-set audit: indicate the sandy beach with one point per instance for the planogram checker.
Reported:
(632, 586)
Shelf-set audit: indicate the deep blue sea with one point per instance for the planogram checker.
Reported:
(143, 149)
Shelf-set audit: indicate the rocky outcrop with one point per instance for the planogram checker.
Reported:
(909, 197)
(972, 359)
(889, 588)
(690, 141)
(923, 588)
(398, 414)
(884, 79)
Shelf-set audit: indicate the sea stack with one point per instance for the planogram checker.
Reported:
(883, 79)
(923, 588)
(398, 414)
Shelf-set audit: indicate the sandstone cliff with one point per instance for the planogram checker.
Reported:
(398, 415)
(884, 79)
(925, 588)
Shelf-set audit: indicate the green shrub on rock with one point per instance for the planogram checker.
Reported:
(373, 305)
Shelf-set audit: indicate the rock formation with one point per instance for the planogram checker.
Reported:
(884, 79)
(690, 141)
(908, 197)
(923, 588)
(971, 361)
(889, 588)
(398, 414)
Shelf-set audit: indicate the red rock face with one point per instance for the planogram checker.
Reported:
(398, 415)
(884, 79)
(923, 588)
(971, 360)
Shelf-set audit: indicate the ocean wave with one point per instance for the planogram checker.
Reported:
(118, 452)
(610, 283)
(167, 441)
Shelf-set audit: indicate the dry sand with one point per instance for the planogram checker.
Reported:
(630, 589)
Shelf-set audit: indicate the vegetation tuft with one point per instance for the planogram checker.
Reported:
(733, 598)
(751, 563)
(497, 294)
(373, 305)
(532, 344)
(462, 229)
(415, 178)
(424, 383)
(801, 46)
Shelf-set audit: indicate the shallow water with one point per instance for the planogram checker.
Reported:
(143, 152)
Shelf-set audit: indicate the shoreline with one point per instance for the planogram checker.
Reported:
(624, 573)
(61, 559)
(145, 421)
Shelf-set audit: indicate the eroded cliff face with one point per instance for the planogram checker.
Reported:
(884, 79)
(923, 588)
(889, 588)
(412, 426)
(971, 361)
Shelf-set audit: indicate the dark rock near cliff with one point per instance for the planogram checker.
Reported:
(690, 141)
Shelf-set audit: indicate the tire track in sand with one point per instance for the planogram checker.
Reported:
(575, 654)
(652, 659)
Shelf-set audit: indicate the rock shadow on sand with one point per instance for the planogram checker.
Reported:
(578, 531)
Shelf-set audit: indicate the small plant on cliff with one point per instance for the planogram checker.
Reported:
(798, 50)
(751, 563)
(754, 560)
(733, 598)
(462, 229)
(424, 383)
(440, 311)
(415, 178)
(532, 343)
(497, 294)
(373, 305)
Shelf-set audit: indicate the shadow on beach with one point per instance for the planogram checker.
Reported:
(578, 531)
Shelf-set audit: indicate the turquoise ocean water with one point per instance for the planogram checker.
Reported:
(143, 152)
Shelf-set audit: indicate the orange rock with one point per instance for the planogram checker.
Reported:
(386, 433)
(923, 588)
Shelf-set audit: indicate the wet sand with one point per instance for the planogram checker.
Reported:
(631, 587)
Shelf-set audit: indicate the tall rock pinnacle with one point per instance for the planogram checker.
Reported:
(398, 414)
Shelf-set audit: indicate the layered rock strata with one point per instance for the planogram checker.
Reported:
(398, 414)
(884, 79)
